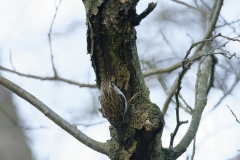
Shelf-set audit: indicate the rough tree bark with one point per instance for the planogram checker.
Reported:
(111, 40)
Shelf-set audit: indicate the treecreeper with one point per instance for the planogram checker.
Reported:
(113, 106)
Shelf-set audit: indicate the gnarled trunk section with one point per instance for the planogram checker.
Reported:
(111, 40)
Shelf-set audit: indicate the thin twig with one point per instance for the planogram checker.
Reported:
(203, 75)
(191, 7)
(49, 78)
(233, 28)
(50, 39)
(144, 14)
(188, 61)
(89, 125)
(226, 23)
(192, 40)
(212, 21)
(71, 129)
(194, 148)
(160, 80)
(186, 104)
(55, 77)
(185, 67)
(234, 115)
(205, 4)
(169, 44)
(196, 3)
(179, 123)
(225, 94)
(42, 127)
(200, 42)
(169, 97)
(162, 70)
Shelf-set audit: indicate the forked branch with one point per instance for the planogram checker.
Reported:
(187, 62)
(201, 98)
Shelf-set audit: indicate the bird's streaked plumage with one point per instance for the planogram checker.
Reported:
(113, 106)
(113, 102)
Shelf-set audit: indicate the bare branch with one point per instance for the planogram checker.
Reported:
(146, 74)
(145, 13)
(185, 67)
(234, 115)
(227, 93)
(196, 3)
(211, 27)
(160, 80)
(162, 70)
(50, 40)
(170, 95)
(212, 22)
(188, 61)
(210, 40)
(192, 40)
(49, 78)
(179, 123)
(205, 4)
(201, 98)
(226, 23)
(191, 7)
(200, 42)
(203, 77)
(71, 129)
(194, 148)
(169, 44)
(89, 125)
(40, 127)
(186, 104)
(232, 27)
(55, 77)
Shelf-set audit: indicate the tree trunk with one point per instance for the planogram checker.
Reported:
(111, 43)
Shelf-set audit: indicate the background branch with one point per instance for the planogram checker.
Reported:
(194, 148)
(191, 59)
(212, 22)
(71, 129)
(48, 78)
(234, 115)
(226, 94)
(50, 39)
(191, 7)
(203, 77)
